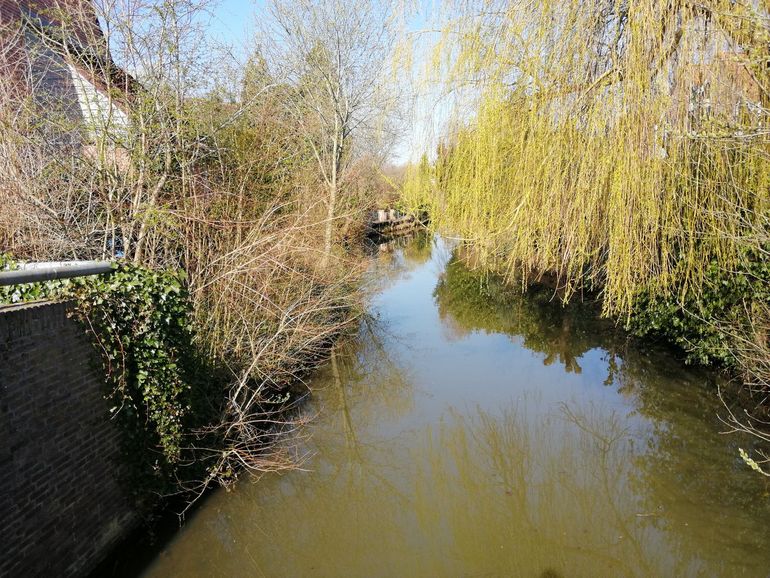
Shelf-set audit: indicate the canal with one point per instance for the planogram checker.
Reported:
(469, 430)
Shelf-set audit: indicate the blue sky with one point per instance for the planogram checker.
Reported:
(232, 22)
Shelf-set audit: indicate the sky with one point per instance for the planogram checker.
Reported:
(232, 23)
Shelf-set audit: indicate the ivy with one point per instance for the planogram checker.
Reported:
(141, 319)
(141, 323)
(28, 291)
(697, 323)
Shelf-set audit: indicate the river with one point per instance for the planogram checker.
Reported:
(469, 430)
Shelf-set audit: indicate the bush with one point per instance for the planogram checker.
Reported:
(708, 325)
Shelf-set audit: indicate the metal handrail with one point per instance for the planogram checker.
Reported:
(48, 271)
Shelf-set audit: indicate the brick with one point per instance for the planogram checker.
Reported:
(61, 489)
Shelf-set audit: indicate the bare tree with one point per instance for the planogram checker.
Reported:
(331, 59)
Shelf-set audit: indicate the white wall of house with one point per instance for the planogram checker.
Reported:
(102, 116)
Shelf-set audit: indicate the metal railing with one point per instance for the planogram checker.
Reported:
(48, 271)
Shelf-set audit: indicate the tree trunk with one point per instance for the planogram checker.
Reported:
(329, 226)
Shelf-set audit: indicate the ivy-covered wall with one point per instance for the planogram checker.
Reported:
(103, 386)
(162, 393)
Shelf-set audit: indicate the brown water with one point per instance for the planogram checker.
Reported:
(472, 431)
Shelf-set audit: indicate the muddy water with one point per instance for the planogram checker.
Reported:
(472, 431)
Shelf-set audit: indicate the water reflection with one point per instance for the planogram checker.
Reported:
(472, 431)
(469, 301)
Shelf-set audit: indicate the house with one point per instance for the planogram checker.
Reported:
(54, 56)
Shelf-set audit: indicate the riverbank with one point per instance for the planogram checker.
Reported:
(188, 417)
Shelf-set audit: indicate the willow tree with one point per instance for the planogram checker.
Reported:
(329, 58)
(620, 143)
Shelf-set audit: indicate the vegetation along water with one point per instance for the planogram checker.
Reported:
(566, 373)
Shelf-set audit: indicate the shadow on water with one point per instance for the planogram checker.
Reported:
(474, 431)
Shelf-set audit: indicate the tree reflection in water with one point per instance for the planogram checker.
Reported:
(474, 301)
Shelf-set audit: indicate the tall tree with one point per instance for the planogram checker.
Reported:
(332, 57)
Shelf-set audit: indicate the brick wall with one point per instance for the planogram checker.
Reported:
(62, 505)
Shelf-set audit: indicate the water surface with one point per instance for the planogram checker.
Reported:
(473, 431)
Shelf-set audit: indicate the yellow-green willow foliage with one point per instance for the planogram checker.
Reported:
(622, 144)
